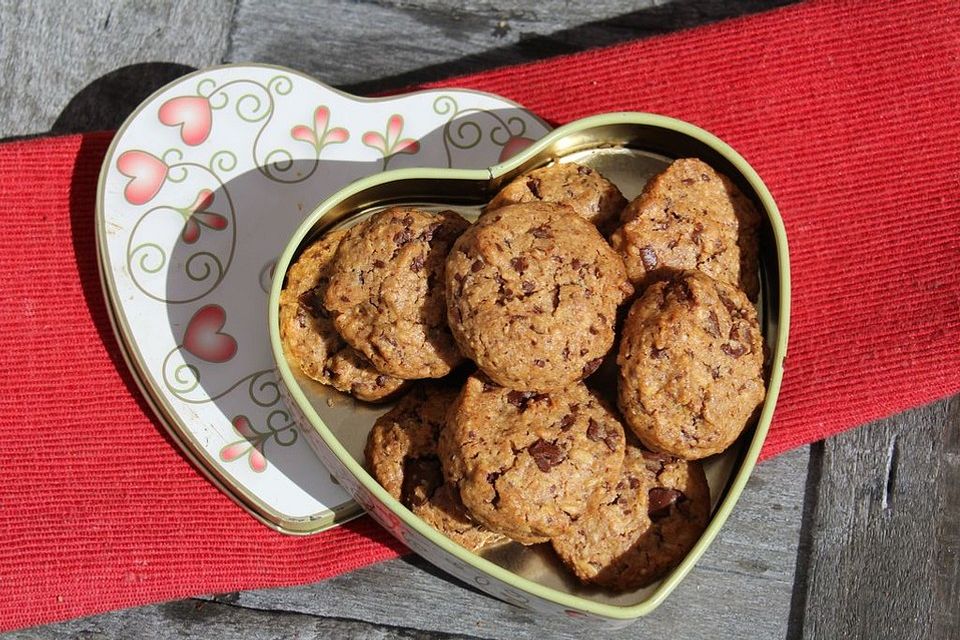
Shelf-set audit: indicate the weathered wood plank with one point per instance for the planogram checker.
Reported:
(203, 619)
(368, 47)
(54, 56)
(741, 588)
(885, 532)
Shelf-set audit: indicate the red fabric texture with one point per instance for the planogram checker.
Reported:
(845, 109)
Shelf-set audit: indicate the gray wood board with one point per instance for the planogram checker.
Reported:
(741, 588)
(368, 47)
(75, 66)
(884, 532)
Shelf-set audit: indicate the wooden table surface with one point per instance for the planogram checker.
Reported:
(856, 537)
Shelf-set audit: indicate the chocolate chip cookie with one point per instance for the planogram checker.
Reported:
(532, 294)
(386, 291)
(527, 464)
(643, 527)
(583, 189)
(690, 217)
(401, 454)
(691, 366)
(308, 335)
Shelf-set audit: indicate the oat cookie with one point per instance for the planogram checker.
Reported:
(386, 291)
(690, 217)
(526, 464)
(643, 527)
(308, 335)
(691, 366)
(401, 455)
(532, 295)
(585, 190)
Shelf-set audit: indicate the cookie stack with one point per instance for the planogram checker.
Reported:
(521, 442)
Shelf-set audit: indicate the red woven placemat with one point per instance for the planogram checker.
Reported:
(846, 109)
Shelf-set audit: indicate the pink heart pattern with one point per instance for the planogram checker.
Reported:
(204, 337)
(513, 146)
(146, 172)
(192, 114)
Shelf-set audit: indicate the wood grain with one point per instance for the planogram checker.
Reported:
(370, 47)
(885, 537)
(741, 588)
(54, 53)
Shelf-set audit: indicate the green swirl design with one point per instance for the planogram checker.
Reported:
(462, 133)
(149, 258)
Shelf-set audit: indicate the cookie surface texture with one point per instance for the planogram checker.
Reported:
(691, 366)
(309, 337)
(690, 217)
(386, 291)
(532, 295)
(643, 527)
(527, 464)
(583, 189)
(401, 454)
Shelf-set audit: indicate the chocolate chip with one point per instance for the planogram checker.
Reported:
(660, 501)
(634, 483)
(540, 363)
(731, 306)
(380, 380)
(421, 477)
(527, 286)
(537, 309)
(593, 331)
(713, 324)
(311, 301)
(541, 232)
(519, 264)
(657, 354)
(575, 263)
(697, 232)
(611, 439)
(584, 351)
(416, 264)
(546, 455)
(402, 237)
(488, 387)
(681, 290)
(566, 352)
(427, 234)
(566, 422)
(533, 184)
(584, 171)
(649, 258)
(476, 266)
(594, 430)
(408, 220)
(705, 177)
(734, 350)
(592, 366)
(521, 399)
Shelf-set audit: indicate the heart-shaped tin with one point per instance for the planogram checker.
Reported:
(199, 191)
(628, 148)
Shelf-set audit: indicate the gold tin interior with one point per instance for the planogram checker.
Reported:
(628, 149)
